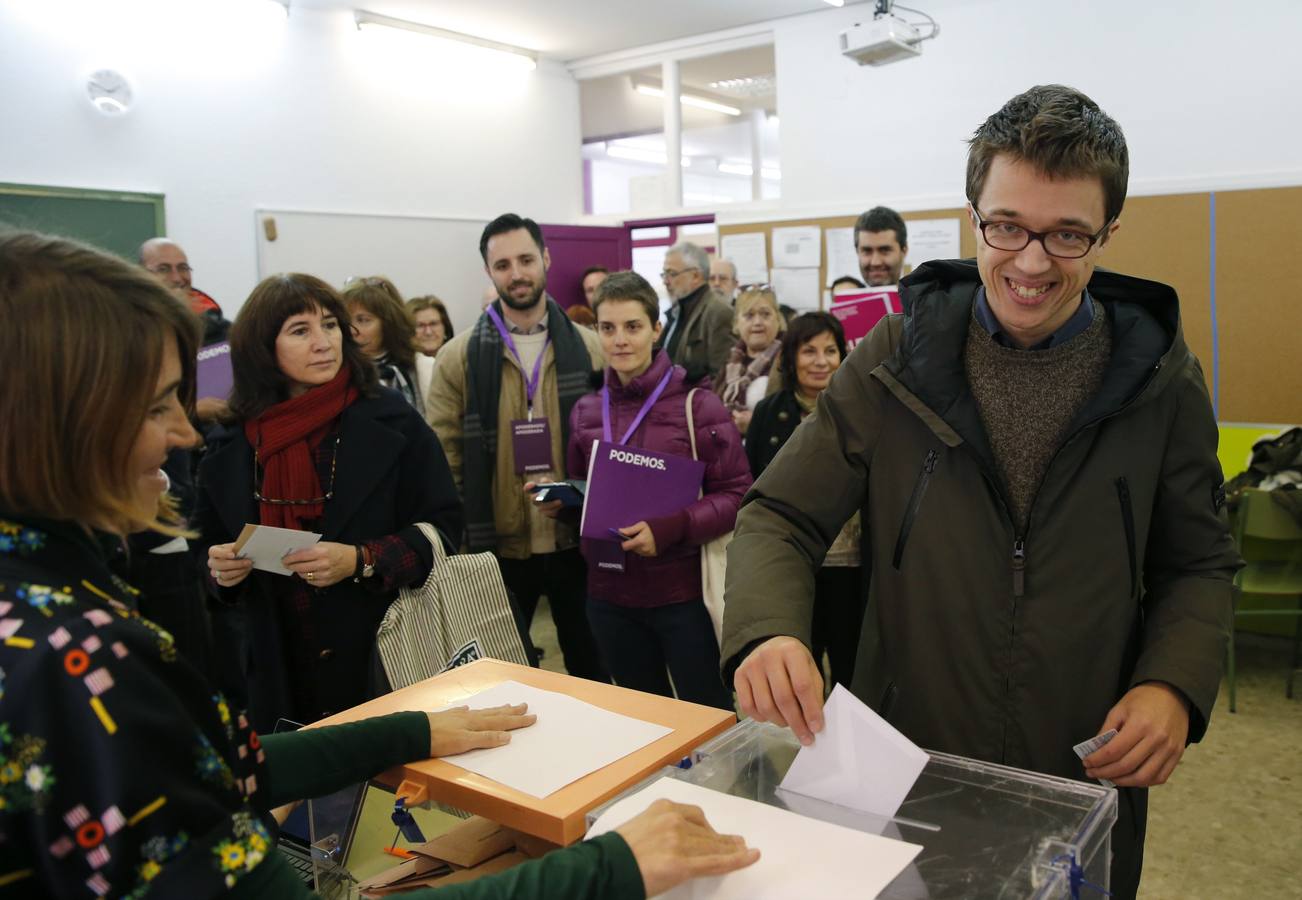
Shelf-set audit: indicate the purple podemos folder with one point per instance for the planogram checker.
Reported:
(627, 485)
(213, 375)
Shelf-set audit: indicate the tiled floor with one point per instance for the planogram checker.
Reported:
(1229, 823)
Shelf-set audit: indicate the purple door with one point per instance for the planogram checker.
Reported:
(574, 248)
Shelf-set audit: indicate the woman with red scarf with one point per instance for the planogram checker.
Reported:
(317, 446)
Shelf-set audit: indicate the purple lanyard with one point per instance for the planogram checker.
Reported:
(530, 383)
(646, 408)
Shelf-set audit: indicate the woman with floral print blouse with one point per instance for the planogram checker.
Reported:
(122, 772)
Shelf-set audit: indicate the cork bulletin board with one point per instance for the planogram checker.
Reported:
(1228, 255)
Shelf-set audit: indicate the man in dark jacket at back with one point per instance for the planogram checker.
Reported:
(1033, 452)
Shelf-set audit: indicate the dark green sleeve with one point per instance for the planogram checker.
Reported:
(600, 869)
(318, 761)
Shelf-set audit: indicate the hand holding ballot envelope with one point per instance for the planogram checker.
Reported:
(779, 682)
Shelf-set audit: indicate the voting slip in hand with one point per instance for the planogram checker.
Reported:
(858, 760)
(627, 485)
(1085, 748)
(267, 545)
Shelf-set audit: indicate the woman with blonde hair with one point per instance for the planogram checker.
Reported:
(744, 379)
(386, 333)
(122, 771)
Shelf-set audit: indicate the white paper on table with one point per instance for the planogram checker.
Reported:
(858, 760)
(799, 857)
(267, 545)
(932, 239)
(797, 288)
(571, 739)
(842, 256)
(798, 247)
(748, 252)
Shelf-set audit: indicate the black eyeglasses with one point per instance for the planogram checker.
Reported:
(166, 269)
(330, 492)
(666, 274)
(1063, 243)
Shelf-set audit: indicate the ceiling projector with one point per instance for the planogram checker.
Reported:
(886, 39)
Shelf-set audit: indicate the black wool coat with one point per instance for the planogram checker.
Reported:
(390, 474)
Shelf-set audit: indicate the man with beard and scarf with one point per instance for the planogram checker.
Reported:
(500, 403)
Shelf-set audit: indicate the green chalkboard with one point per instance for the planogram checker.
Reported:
(116, 221)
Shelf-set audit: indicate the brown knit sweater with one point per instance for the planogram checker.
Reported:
(1028, 398)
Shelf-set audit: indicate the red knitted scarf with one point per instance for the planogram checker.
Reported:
(285, 438)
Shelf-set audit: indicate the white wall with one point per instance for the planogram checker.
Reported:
(300, 115)
(1207, 93)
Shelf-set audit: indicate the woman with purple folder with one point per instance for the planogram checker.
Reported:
(649, 619)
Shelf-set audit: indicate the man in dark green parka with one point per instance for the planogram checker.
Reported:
(1033, 452)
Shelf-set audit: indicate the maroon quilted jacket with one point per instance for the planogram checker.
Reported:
(674, 574)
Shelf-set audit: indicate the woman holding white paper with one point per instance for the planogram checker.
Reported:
(650, 618)
(317, 447)
(131, 774)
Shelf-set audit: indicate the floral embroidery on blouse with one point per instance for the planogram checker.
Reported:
(210, 765)
(155, 852)
(24, 782)
(41, 597)
(223, 713)
(241, 855)
(20, 539)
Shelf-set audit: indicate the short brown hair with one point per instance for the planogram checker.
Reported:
(429, 301)
(628, 286)
(1059, 131)
(379, 297)
(259, 383)
(85, 340)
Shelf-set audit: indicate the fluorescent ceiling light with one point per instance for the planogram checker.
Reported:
(640, 154)
(745, 169)
(517, 56)
(652, 90)
(834, 2)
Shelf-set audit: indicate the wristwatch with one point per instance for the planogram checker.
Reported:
(365, 563)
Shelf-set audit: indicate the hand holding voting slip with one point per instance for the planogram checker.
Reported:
(267, 545)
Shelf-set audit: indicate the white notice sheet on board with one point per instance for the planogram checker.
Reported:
(797, 288)
(932, 239)
(749, 254)
(571, 739)
(797, 247)
(799, 856)
(842, 257)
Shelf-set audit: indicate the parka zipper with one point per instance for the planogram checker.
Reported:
(1019, 568)
(1128, 522)
(915, 502)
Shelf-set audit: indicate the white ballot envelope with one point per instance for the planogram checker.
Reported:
(267, 545)
(858, 760)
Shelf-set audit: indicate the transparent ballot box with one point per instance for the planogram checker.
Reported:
(987, 831)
